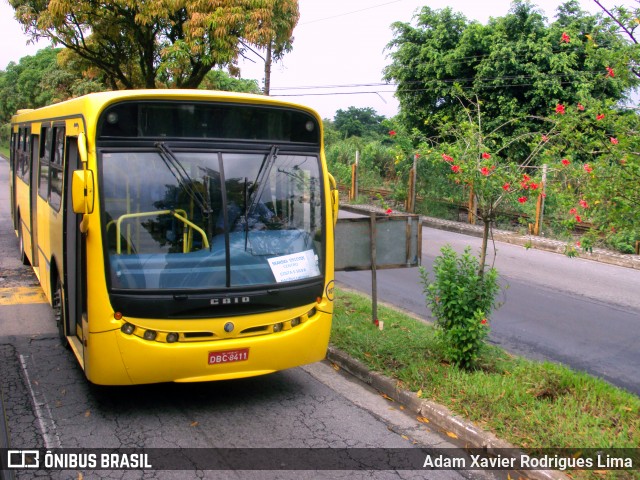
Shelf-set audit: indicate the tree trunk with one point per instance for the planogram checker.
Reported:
(485, 242)
(267, 72)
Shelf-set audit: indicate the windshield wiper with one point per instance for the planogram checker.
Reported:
(260, 183)
(184, 180)
(258, 188)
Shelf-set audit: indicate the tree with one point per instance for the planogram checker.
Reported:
(516, 66)
(220, 80)
(37, 81)
(359, 122)
(597, 171)
(156, 43)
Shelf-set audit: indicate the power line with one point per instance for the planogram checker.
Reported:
(478, 80)
(349, 13)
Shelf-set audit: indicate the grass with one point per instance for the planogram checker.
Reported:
(530, 404)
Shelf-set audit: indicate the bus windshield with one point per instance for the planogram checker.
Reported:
(201, 220)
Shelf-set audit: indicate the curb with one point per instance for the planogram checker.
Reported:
(441, 417)
(539, 243)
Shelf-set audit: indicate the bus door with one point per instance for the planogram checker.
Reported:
(33, 197)
(75, 259)
(13, 171)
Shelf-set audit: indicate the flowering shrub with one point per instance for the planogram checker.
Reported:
(461, 300)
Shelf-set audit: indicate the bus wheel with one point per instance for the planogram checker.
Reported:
(60, 313)
(23, 256)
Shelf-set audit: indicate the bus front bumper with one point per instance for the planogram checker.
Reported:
(115, 358)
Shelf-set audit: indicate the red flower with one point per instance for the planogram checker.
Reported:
(388, 211)
(565, 38)
(486, 155)
(578, 219)
(447, 158)
(587, 168)
(614, 140)
(534, 186)
(573, 211)
(584, 204)
(526, 177)
(522, 199)
(485, 171)
(610, 72)
(565, 162)
(483, 321)
(600, 116)
(545, 138)
(506, 186)
(580, 107)
(560, 109)
(455, 168)
(416, 156)
(524, 185)
(578, 244)
(392, 132)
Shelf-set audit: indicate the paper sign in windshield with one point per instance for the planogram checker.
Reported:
(296, 266)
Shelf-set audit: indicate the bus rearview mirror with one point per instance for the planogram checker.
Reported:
(82, 191)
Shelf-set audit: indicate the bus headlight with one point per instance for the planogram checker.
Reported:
(128, 328)
(277, 327)
(295, 322)
(172, 337)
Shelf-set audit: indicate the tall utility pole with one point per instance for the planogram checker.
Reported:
(267, 71)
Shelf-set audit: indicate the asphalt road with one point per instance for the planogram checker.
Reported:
(578, 312)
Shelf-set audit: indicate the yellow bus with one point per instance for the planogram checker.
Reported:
(179, 235)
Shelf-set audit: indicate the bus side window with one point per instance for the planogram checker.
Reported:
(19, 157)
(43, 168)
(55, 168)
(33, 159)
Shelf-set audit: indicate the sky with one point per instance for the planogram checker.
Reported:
(338, 45)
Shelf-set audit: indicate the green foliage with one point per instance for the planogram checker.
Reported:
(221, 80)
(374, 159)
(527, 403)
(40, 80)
(5, 134)
(359, 122)
(461, 298)
(517, 66)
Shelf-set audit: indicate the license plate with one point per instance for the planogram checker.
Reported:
(228, 356)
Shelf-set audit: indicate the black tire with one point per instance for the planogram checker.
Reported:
(60, 313)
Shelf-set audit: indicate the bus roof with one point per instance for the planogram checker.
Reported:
(92, 104)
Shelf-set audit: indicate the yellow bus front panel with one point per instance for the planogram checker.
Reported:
(116, 358)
